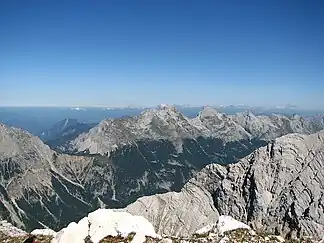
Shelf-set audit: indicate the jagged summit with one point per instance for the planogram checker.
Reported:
(219, 125)
(167, 107)
(248, 114)
(166, 123)
(163, 112)
(153, 124)
(318, 120)
(17, 143)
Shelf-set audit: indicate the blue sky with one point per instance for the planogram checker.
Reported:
(118, 53)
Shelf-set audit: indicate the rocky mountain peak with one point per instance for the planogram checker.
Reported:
(215, 124)
(167, 107)
(17, 142)
(209, 112)
(153, 124)
(296, 116)
(162, 112)
(248, 114)
(317, 120)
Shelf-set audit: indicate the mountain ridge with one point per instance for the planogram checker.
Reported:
(167, 123)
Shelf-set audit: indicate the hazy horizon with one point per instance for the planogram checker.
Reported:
(242, 107)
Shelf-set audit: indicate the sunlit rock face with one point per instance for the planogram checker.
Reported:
(277, 189)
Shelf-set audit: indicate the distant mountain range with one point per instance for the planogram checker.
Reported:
(119, 160)
(39, 119)
(169, 124)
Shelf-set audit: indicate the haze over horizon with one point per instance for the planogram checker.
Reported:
(143, 53)
(215, 106)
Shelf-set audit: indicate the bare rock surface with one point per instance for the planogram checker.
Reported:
(277, 189)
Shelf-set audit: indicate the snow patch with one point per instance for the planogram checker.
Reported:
(104, 222)
(163, 106)
(206, 229)
(208, 111)
(227, 223)
(48, 232)
(224, 224)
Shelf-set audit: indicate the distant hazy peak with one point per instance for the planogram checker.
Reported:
(208, 111)
(297, 117)
(163, 113)
(166, 106)
(247, 113)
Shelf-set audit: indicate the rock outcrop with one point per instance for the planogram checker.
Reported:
(12, 234)
(278, 189)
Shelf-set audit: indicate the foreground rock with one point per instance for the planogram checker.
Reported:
(109, 226)
(12, 234)
(277, 189)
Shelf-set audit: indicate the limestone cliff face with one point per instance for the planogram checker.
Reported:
(278, 189)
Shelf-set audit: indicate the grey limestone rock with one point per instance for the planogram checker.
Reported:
(277, 189)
